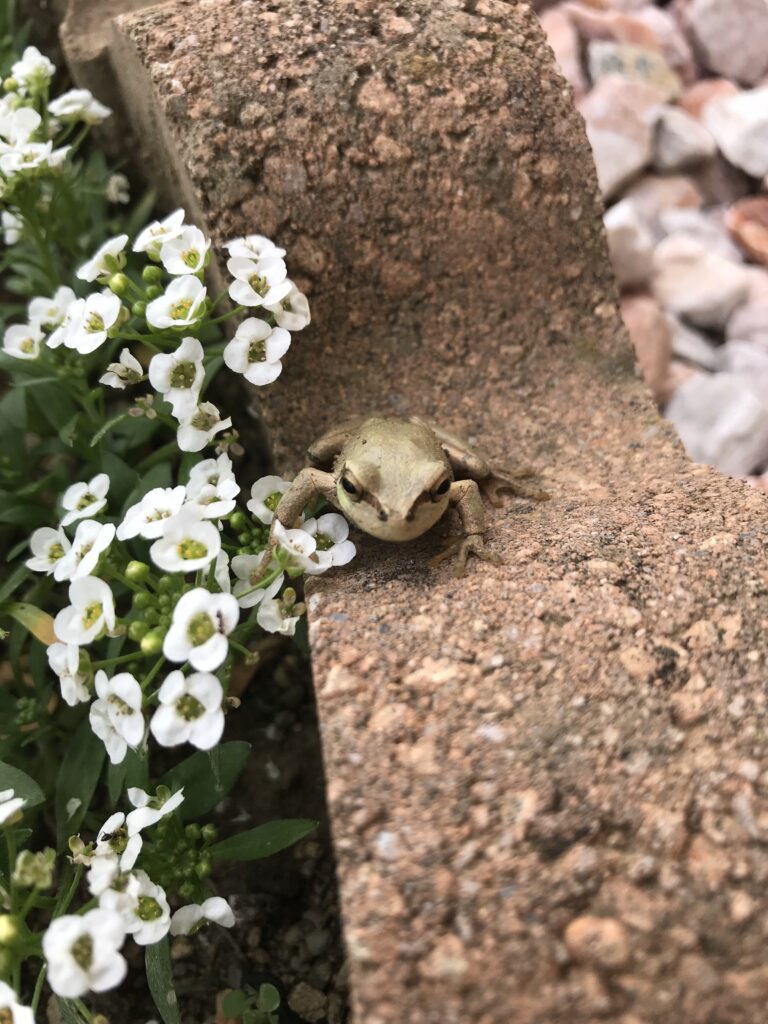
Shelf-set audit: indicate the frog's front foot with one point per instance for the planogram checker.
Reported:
(462, 548)
(500, 482)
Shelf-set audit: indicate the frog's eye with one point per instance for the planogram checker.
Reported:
(441, 489)
(351, 488)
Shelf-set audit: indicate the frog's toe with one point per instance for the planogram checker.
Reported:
(497, 484)
(450, 549)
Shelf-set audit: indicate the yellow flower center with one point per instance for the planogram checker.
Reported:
(91, 614)
(180, 310)
(190, 548)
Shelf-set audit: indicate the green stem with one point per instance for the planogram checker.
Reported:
(83, 1010)
(109, 662)
(153, 672)
(126, 582)
(241, 649)
(38, 988)
(171, 448)
(226, 316)
(263, 583)
(63, 905)
(10, 842)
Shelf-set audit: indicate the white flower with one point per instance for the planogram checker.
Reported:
(152, 237)
(187, 543)
(29, 156)
(18, 126)
(150, 809)
(190, 711)
(102, 873)
(265, 497)
(10, 806)
(91, 540)
(79, 105)
(256, 351)
(116, 716)
(71, 323)
(84, 500)
(300, 545)
(148, 517)
(92, 609)
(178, 376)
(99, 314)
(64, 660)
(50, 313)
(248, 572)
(292, 312)
(83, 952)
(253, 247)
(118, 189)
(11, 225)
(190, 919)
(23, 341)
(142, 906)
(116, 848)
(127, 371)
(181, 305)
(47, 546)
(199, 429)
(274, 616)
(106, 261)
(258, 282)
(11, 1010)
(221, 572)
(185, 253)
(33, 71)
(199, 628)
(332, 547)
(212, 487)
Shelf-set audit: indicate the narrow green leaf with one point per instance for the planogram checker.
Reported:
(21, 784)
(68, 1012)
(38, 622)
(78, 777)
(107, 427)
(122, 479)
(157, 962)
(19, 573)
(264, 840)
(207, 777)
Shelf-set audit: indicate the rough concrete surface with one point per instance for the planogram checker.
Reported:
(548, 781)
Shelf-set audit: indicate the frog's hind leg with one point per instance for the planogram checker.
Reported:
(322, 452)
(492, 480)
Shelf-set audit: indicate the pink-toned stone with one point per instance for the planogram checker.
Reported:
(630, 243)
(707, 227)
(729, 36)
(601, 941)
(651, 336)
(719, 182)
(654, 193)
(695, 283)
(670, 40)
(680, 141)
(564, 40)
(740, 127)
(747, 221)
(693, 346)
(750, 322)
(607, 23)
(635, 63)
(700, 94)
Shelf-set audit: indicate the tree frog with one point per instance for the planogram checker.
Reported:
(394, 478)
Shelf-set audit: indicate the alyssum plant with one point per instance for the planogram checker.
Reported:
(143, 586)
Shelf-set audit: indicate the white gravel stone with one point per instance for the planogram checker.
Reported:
(693, 346)
(750, 323)
(703, 226)
(630, 243)
(730, 37)
(697, 284)
(739, 125)
(680, 141)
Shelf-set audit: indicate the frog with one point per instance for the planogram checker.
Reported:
(395, 477)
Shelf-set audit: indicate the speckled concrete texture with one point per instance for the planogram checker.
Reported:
(548, 781)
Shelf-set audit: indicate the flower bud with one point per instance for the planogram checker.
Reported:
(152, 643)
(137, 572)
(143, 600)
(192, 832)
(152, 275)
(10, 85)
(139, 308)
(204, 866)
(154, 292)
(137, 631)
(238, 520)
(9, 929)
(35, 870)
(210, 833)
(119, 284)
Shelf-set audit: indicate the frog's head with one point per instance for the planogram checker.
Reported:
(392, 484)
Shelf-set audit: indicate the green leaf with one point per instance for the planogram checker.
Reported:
(54, 404)
(77, 780)
(25, 515)
(38, 622)
(19, 573)
(157, 476)
(133, 770)
(157, 962)
(207, 777)
(68, 1012)
(233, 1003)
(269, 998)
(264, 840)
(122, 479)
(21, 784)
(107, 427)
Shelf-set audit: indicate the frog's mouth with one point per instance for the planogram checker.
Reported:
(390, 525)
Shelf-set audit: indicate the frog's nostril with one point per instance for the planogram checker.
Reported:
(409, 517)
(383, 516)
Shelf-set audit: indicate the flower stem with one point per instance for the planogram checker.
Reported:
(153, 672)
(109, 662)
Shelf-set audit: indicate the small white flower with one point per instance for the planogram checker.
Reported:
(199, 429)
(79, 105)
(118, 189)
(64, 660)
(116, 843)
(11, 1010)
(63, 334)
(10, 806)
(99, 314)
(30, 156)
(152, 237)
(246, 589)
(274, 616)
(212, 487)
(253, 247)
(178, 376)
(185, 253)
(332, 546)
(199, 628)
(265, 497)
(256, 351)
(106, 261)
(18, 126)
(50, 313)
(123, 373)
(148, 517)
(292, 312)
(258, 282)
(23, 341)
(102, 873)
(116, 716)
(91, 540)
(187, 543)
(300, 545)
(33, 71)
(181, 305)
(150, 809)
(92, 609)
(142, 906)
(84, 500)
(190, 711)
(12, 226)
(190, 919)
(221, 572)
(83, 952)
(48, 546)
